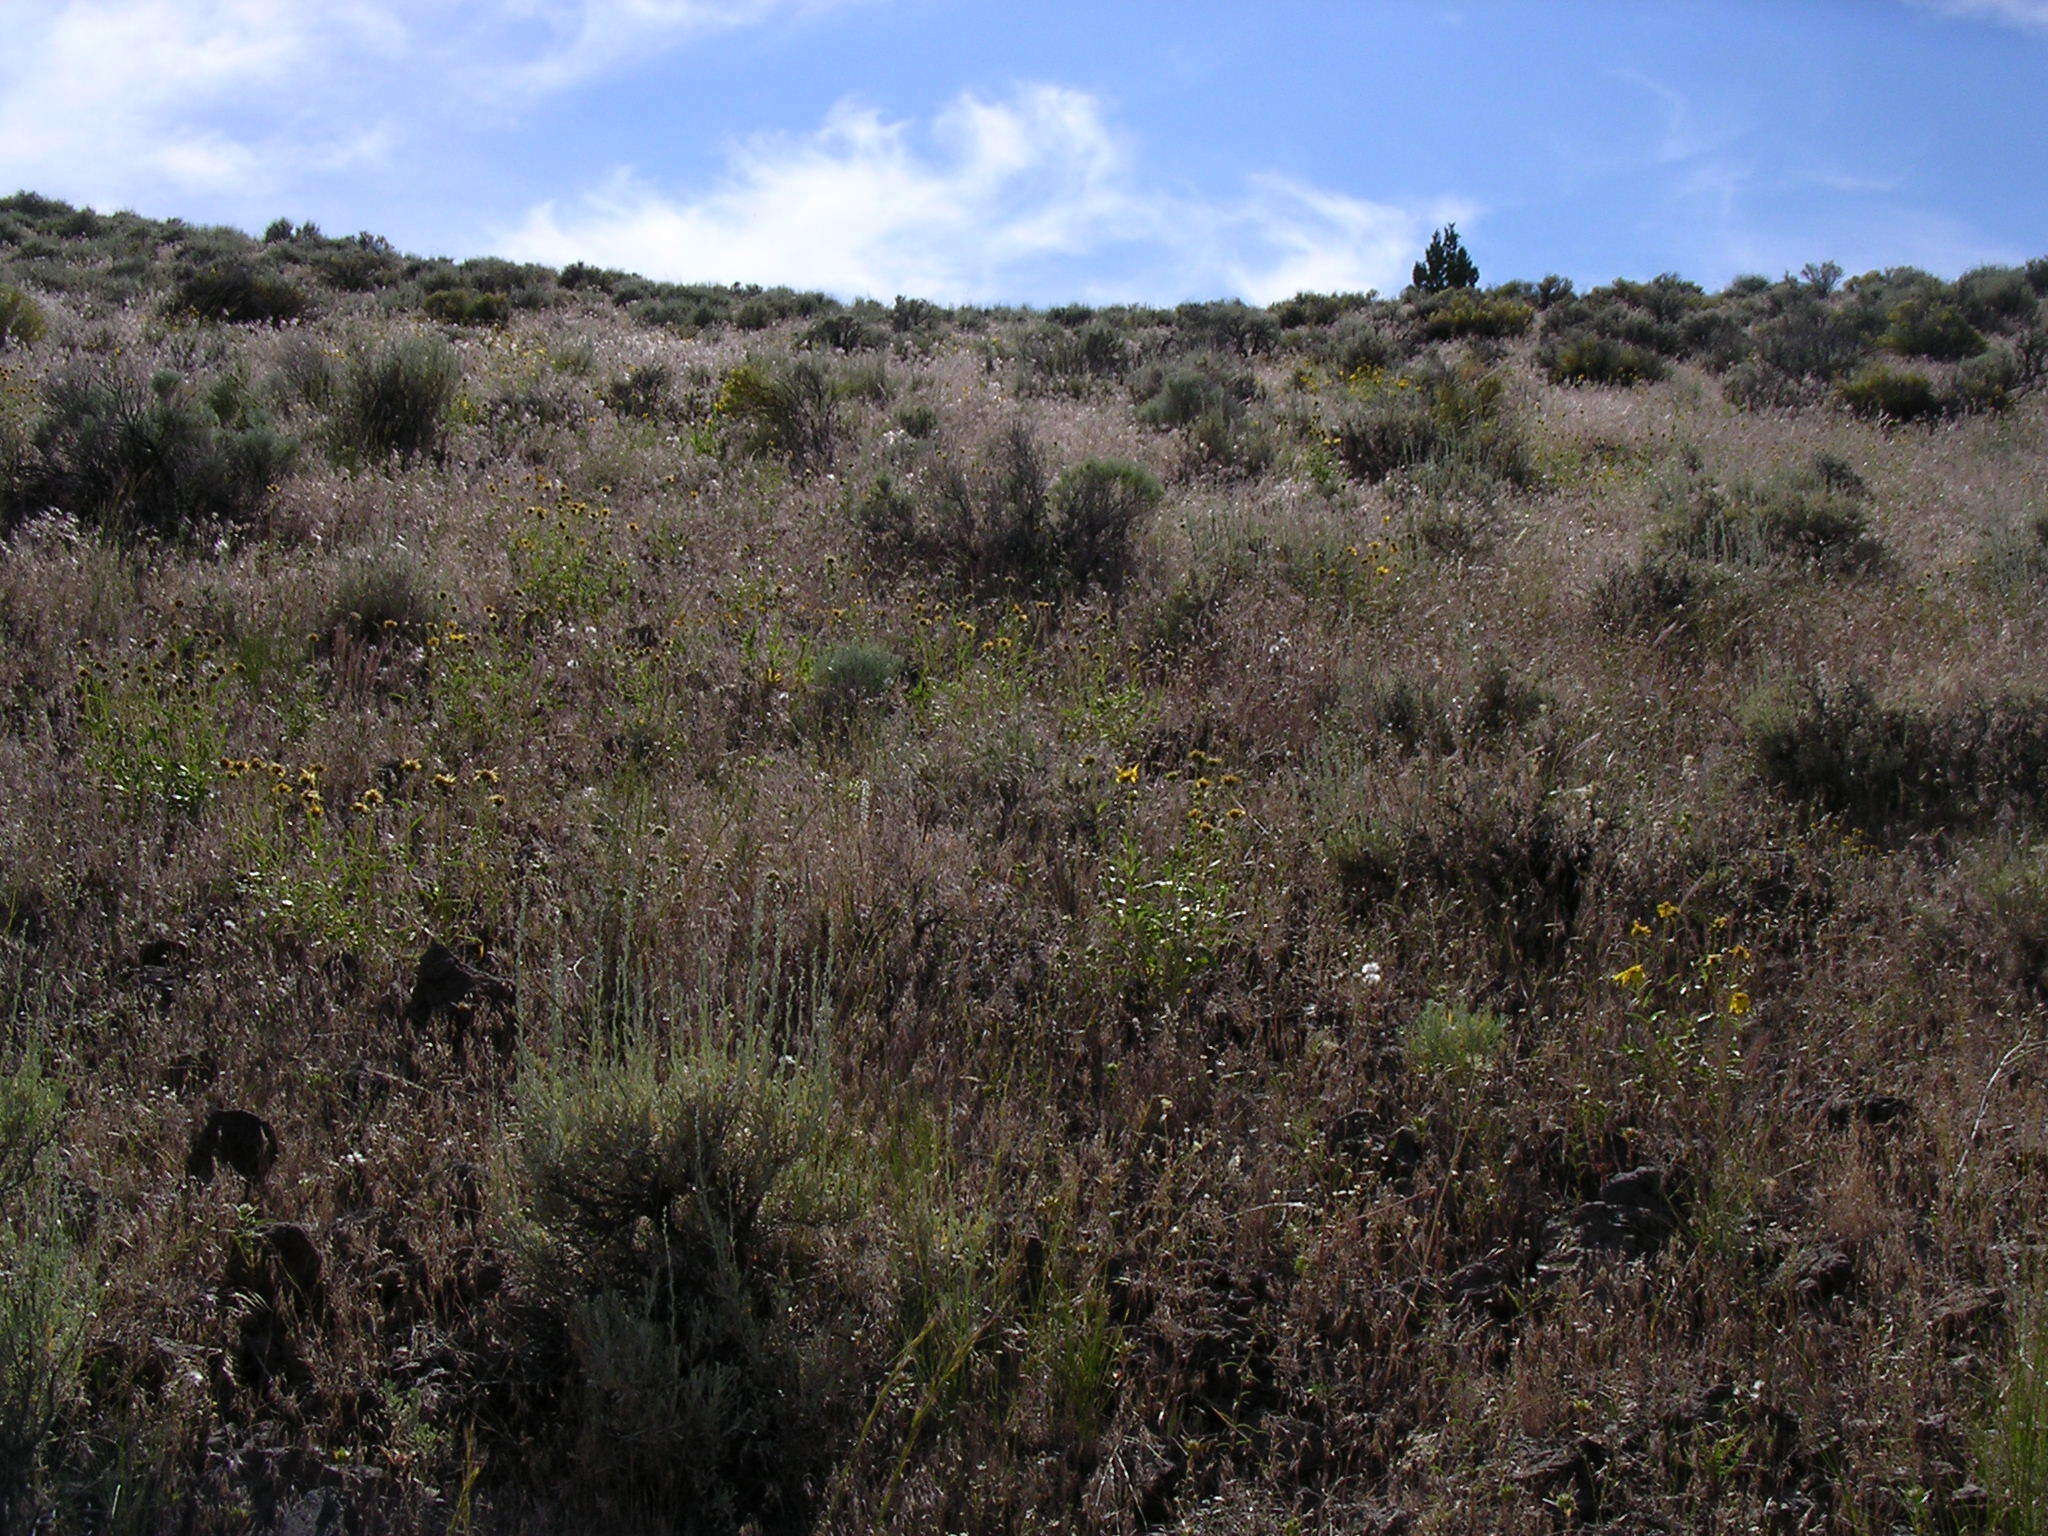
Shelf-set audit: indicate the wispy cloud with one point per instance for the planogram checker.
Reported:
(990, 199)
(2030, 14)
(110, 100)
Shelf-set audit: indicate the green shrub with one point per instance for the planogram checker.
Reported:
(1465, 313)
(467, 306)
(21, 319)
(1891, 394)
(1591, 359)
(1987, 383)
(2012, 1442)
(1452, 1043)
(1811, 514)
(785, 409)
(1924, 326)
(46, 1300)
(846, 679)
(240, 292)
(161, 459)
(1430, 413)
(644, 393)
(396, 400)
(665, 1192)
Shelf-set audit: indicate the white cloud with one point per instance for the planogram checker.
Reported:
(105, 101)
(991, 200)
(582, 38)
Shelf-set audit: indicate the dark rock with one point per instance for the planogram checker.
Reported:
(1846, 1109)
(297, 1259)
(1402, 1153)
(1487, 1285)
(444, 982)
(1967, 1316)
(162, 953)
(1634, 1215)
(1827, 1276)
(1571, 1469)
(244, 1141)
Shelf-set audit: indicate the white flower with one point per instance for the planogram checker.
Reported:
(1369, 973)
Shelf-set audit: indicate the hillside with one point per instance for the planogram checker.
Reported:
(640, 907)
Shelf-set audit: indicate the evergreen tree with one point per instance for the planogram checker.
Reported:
(1445, 264)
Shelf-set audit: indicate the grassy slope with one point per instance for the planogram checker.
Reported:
(1115, 1060)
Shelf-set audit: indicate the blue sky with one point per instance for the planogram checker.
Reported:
(1062, 149)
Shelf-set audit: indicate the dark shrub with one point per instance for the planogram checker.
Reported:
(1812, 514)
(1306, 309)
(995, 524)
(667, 1196)
(1811, 340)
(1509, 865)
(240, 292)
(162, 459)
(1837, 747)
(843, 332)
(383, 596)
(644, 391)
(785, 409)
(1891, 394)
(1997, 296)
(397, 400)
(1058, 360)
(359, 265)
(1230, 327)
(1657, 595)
(919, 421)
(1095, 508)
(1592, 359)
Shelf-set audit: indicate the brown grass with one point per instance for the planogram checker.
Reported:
(1049, 1140)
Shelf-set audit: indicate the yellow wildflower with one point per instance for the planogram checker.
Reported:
(1127, 775)
(1634, 976)
(1738, 1003)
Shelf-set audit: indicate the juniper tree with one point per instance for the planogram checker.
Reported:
(1445, 264)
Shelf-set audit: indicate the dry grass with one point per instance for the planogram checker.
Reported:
(1126, 1061)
